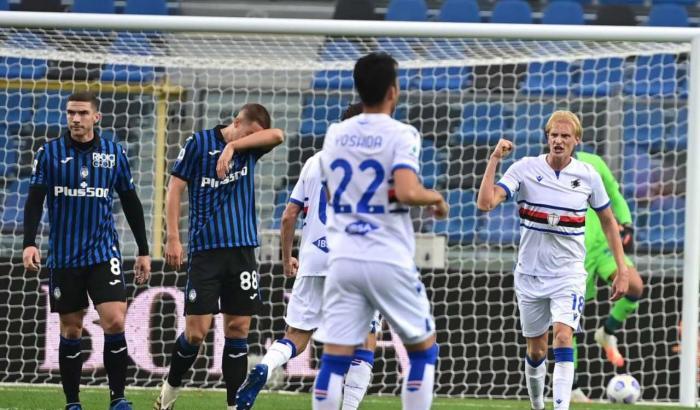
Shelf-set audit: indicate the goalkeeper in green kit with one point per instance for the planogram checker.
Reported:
(599, 263)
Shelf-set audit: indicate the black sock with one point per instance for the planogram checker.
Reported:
(115, 359)
(70, 363)
(182, 358)
(234, 365)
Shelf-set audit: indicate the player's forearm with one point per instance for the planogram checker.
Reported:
(265, 139)
(612, 234)
(172, 214)
(133, 211)
(486, 199)
(419, 196)
(287, 234)
(33, 209)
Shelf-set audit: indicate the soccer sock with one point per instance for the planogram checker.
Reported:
(417, 392)
(181, 359)
(535, 373)
(278, 354)
(574, 345)
(115, 360)
(328, 388)
(563, 377)
(619, 312)
(71, 365)
(358, 378)
(234, 365)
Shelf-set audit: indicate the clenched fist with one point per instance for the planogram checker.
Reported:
(503, 148)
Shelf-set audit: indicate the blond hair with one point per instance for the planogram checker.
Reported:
(565, 116)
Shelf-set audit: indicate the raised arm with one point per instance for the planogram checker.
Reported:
(263, 140)
(609, 224)
(289, 221)
(490, 194)
(173, 247)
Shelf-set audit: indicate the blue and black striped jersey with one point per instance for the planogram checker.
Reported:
(222, 212)
(80, 186)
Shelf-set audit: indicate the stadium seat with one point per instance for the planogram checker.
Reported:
(407, 10)
(661, 227)
(677, 130)
(4, 5)
(643, 126)
(158, 7)
(15, 110)
(653, 75)
(443, 49)
(461, 226)
(333, 80)
(336, 50)
(549, 78)
(9, 154)
(443, 78)
(482, 124)
(577, 1)
(41, 5)
(530, 119)
(399, 48)
(433, 163)
(640, 172)
(281, 199)
(19, 67)
(130, 44)
(318, 112)
(600, 77)
(563, 12)
(684, 2)
(354, 10)
(512, 11)
(459, 11)
(49, 110)
(668, 15)
(621, 2)
(12, 201)
(615, 15)
(502, 225)
(93, 6)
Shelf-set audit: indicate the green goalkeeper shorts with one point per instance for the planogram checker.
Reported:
(600, 263)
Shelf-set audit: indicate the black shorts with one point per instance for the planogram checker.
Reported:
(228, 276)
(69, 287)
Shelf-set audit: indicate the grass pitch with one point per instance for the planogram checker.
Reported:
(51, 398)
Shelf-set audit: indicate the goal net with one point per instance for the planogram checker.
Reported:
(156, 88)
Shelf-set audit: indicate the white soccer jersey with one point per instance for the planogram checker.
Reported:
(553, 213)
(365, 221)
(309, 194)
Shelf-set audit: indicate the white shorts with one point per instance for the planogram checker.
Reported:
(355, 289)
(543, 300)
(306, 302)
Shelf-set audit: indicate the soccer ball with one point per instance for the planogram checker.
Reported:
(624, 389)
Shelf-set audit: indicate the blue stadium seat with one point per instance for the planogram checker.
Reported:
(9, 154)
(4, 5)
(549, 78)
(600, 77)
(158, 7)
(461, 226)
(577, 1)
(318, 112)
(482, 124)
(49, 110)
(530, 119)
(512, 11)
(502, 225)
(12, 201)
(623, 2)
(563, 12)
(15, 110)
(685, 2)
(668, 15)
(433, 163)
(281, 199)
(640, 171)
(444, 78)
(661, 227)
(336, 50)
(677, 130)
(93, 6)
(134, 44)
(407, 10)
(643, 126)
(399, 48)
(18, 67)
(333, 80)
(459, 11)
(653, 75)
(443, 49)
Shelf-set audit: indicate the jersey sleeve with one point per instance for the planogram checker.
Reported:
(599, 199)
(298, 194)
(407, 151)
(125, 182)
(511, 179)
(39, 168)
(184, 165)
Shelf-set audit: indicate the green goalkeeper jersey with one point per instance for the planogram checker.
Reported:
(594, 236)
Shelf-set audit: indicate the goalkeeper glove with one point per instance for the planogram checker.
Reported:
(627, 236)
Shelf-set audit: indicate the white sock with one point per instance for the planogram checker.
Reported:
(417, 392)
(277, 355)
(535, 379)
(563, 377)
(357, 380)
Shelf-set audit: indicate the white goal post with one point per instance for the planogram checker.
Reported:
(198, 35)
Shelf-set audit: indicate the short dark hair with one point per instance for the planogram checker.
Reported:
(85, 96)
(257, 113)
(351, 111)
(374, 74)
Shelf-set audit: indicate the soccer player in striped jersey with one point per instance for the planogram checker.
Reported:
(600, 263)
(78, 174)
(554, 192)
(217, 166)
(370, 167)
(303, 317)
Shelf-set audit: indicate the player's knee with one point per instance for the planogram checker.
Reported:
(195, 338)
(72, 331)
(537, 353)
(563, 339)
(237, 328)
(113, 324)
(636, 286)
